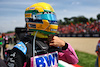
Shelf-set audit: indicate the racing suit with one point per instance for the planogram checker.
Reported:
(17, 57)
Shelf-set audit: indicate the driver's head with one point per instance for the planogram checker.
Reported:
(41, 16)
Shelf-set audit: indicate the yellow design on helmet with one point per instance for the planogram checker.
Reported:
(41, 16)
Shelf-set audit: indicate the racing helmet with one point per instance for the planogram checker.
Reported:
(41, 16)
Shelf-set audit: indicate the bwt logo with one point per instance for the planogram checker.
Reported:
(48, 60)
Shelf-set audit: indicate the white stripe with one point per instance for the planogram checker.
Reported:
(65, 64)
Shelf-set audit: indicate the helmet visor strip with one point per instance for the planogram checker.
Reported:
(46, 16)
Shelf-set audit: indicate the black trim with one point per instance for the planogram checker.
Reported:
(65, 47)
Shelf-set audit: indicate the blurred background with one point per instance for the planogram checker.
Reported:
(78, 20)
(67, 11)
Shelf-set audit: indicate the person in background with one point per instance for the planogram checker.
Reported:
(2, 63)
(5, 42)
(98, 53)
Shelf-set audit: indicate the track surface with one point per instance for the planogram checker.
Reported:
(83, 44)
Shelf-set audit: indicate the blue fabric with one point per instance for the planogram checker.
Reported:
(96, 63)
(21, 46)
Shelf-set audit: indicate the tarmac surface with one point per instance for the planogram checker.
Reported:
(84, 44)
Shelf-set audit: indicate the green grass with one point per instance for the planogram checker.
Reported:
(85, 59)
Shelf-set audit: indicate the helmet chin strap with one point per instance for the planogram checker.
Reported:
(34, 46)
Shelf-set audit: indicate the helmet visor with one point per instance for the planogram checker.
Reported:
(51, 17)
